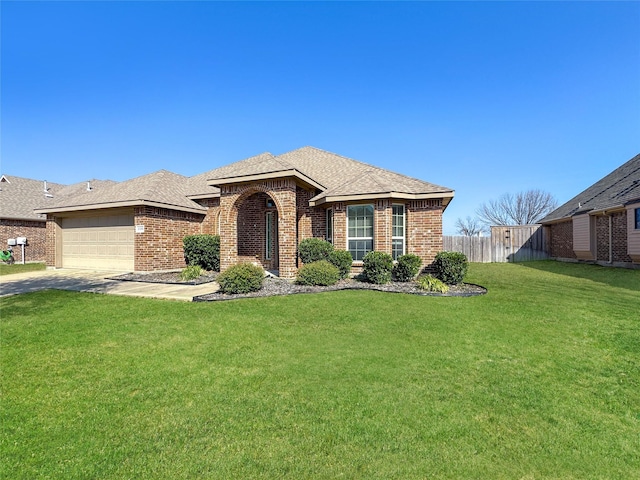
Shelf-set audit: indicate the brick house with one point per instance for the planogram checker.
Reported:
(18, 199)
(262, 207)
(602, 223)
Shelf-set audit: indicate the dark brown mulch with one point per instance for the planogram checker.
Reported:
(166, 277)
(278, 286)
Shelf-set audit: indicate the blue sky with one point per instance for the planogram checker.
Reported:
(486, 98)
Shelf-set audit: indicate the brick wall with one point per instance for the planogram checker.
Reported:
(561, 240)
(424, 229)
(618, 238)
(211, 222)
(160, 246)
(36, 233)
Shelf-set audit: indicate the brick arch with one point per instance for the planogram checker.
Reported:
(249, 190)
(283, 194)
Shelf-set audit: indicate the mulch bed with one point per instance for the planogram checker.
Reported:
(166, 277)
(278, 286)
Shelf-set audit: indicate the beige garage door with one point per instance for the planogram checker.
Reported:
(102, 243)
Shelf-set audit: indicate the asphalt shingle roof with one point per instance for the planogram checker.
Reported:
(337, 175)
(161, 187)
(619, 187)
(19, 196)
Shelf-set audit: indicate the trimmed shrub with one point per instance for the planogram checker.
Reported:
(377, 267)
(431, 284)
(202, 250)
(190, 273)
(407, 267)
(241, 278)
(314, 249)
(318, 273)
(450, 267)
(343, 260)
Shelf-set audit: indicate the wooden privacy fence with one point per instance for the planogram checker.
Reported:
(477, 249)
(515, 243)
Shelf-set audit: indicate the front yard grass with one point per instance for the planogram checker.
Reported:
(6, 269)
(540, 378)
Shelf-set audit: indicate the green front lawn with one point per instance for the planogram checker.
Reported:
(540, 378)
(6, 269)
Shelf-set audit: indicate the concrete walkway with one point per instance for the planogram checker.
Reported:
(97, 282)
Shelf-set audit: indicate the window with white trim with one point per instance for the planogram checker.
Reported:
(397, 231)
(359, 230)
(330, 225)
(637, 218)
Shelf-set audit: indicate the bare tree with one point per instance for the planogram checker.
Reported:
(468, 227)
(524, 208)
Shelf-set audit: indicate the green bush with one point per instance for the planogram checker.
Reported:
(431, 284)
(190, 273)
(241, 278)
(343, 260)
(407, 267)
(377, 267)
(314, 249)
(318, 273)
(202, 250)
(450, 267)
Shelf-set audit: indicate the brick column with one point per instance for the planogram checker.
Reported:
(382, 222)
(53, 242)
(228, 228)
(287, 231)
(340, 226)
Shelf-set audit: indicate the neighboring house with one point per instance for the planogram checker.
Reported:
(601, 224)
(18, 198)
(261, 207)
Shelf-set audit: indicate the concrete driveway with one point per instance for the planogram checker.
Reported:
(97, 282)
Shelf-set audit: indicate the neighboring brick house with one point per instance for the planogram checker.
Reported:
(602, 223)
(18, 198)
(261, 207)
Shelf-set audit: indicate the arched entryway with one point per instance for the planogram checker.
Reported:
(249, 213)
(257, 230)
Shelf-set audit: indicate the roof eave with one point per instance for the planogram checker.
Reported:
(200, 196)
(217, 182)
(23, 219)
(322, 199)
(589, 211)
(129, 203)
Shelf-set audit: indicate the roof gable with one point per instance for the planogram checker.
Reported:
(263, 163)
(612, 191)
(334, 175)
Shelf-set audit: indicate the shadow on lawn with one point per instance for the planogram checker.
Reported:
(626, 278)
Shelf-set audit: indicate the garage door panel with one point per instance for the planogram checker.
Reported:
(104, 243)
